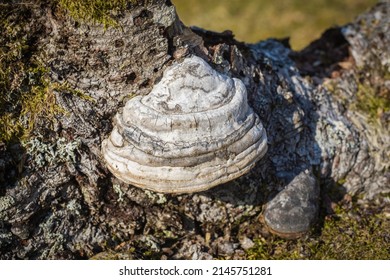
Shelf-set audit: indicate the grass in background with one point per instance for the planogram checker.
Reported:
(255, 20)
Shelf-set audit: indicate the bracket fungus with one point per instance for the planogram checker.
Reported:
(193, 131)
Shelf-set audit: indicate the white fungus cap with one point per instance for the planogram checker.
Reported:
(193, 131)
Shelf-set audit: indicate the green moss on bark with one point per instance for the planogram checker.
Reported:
(26, 91)
(96, 11)
(373, 101)
(25, 94)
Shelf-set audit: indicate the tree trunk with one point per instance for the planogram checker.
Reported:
(325, 110)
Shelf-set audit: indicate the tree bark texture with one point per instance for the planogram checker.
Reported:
(69, 206)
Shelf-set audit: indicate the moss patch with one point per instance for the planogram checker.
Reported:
(354, 237)
(26, 91)
(96, 11)
(353, 232)
(25, 94)
(371, 96)
(374, 101)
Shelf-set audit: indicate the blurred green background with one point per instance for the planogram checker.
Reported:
(255, 20)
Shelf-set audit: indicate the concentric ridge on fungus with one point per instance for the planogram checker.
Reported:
(193, 131)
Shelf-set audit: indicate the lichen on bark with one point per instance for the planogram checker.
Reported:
(72, 208)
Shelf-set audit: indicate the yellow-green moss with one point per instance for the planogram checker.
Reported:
(66, 87)
(350, 234)
(370, 101)
(37, 101)
(355, 238)
(95, 11)
(10, 127)
(24, 94)
(112, 255)
(272, 249)
(371, 98)
(341, 181)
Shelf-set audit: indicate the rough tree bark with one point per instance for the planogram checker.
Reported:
(58, 200)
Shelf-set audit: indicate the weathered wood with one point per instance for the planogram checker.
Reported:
(59, 200)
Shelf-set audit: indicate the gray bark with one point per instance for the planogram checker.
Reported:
(69, 206)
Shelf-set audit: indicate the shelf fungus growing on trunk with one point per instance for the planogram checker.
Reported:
(193, 131)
